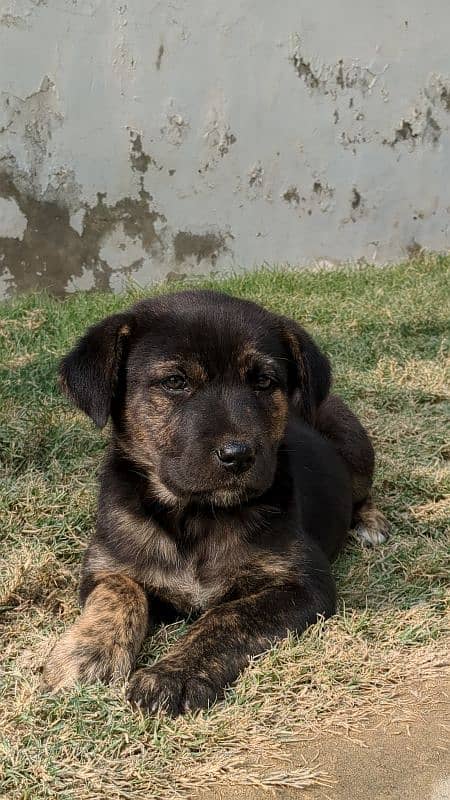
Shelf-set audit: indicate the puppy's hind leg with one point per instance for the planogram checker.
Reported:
(339, 424)
(369, 524)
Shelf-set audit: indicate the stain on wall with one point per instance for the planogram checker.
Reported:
(200, 247)
(140, 161)
(291, 196)
(159, 57)
(50, 249)
(138, 142)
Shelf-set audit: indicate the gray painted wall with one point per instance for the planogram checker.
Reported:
(142, 138)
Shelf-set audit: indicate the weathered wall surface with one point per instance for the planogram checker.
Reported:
(141, 138)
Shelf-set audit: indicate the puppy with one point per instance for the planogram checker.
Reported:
(230, 483)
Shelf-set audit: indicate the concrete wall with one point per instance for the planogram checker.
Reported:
(141, 138)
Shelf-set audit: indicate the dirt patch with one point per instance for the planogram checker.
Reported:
(390, 759)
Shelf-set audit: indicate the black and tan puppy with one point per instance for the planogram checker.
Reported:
(230, 484)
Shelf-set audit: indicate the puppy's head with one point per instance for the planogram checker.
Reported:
(199, 386)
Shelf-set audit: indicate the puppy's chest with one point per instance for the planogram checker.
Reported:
(196, 574)
(193, 583)
(190, 586)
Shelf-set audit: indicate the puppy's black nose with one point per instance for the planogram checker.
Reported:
(236, 456)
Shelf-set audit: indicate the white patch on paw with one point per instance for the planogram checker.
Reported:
(370, 536)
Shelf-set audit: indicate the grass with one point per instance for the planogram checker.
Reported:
(385, 333)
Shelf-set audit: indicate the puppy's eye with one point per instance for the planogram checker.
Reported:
(263, 382)
(175, 383)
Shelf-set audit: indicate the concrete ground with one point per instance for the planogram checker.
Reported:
(390, 760)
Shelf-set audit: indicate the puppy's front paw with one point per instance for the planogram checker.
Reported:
(172, 690)
(81, 656)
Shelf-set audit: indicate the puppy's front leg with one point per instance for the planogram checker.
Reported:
(218, 646)
(105, 641)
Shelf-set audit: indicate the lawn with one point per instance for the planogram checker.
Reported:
(384, 330)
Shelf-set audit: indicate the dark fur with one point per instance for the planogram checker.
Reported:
(246, 552)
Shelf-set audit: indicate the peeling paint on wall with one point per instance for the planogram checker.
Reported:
(176, 126)
(329, 79)
(318, 197)
(422, 128)
(31, 122)
(256, 175)
(13, 21)
(291, 196)
(12, 222)
(142, 141)
(19, 13)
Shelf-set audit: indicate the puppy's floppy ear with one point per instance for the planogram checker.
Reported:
(309, 370)
(88, 374)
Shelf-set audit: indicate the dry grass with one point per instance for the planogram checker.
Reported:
(385, 332)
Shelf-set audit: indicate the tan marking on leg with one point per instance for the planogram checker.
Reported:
(105, 641)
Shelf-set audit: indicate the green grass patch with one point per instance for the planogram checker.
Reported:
(385, 331)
